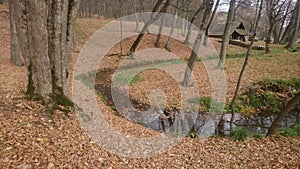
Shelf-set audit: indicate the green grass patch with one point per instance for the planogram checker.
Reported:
(287, 132)
(86, 78)
(89, 82)
(208, 57)
(207, 104)
(290, 132)
(241, 134)
(238, 55)
(127, 79)
(154, 63)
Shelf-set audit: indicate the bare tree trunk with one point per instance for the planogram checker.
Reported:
(161, 26)
(38, 49)
(294, 35)
(152, 19)
(287, 32)
(270, 11)
(15, 51)
(257, 18)
(136, 16)
(226, 35)
(185, 25)
(172, 27)
(274, 11)
(142, 8)
(268, 39)
(284, 111)
(187, 81)
(284, 20)
(210, 21)
(81, 11)
(276, 34)
(190, 29)
(90, 8)
(72, 16)
(20, 18)
(45, 30)
(183, 13)
(220, 126)
(121, 27)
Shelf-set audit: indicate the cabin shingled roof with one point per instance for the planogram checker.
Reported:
(219, 29)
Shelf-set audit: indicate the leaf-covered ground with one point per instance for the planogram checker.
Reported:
(30, 137)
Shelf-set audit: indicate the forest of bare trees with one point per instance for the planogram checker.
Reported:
(277, 21)
(43, 34)
(149, 83)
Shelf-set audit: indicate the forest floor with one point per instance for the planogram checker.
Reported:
(31, 137)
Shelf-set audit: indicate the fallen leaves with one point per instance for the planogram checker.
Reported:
(30, 137)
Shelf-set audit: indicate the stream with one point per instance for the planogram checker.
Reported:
(182, 123)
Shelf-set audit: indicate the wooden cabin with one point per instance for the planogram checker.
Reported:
(238, 31)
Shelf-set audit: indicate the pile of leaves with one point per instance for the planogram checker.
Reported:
(267, 97)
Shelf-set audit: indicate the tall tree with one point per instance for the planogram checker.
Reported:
(45, 36)
(295, 31)
(121, 27)
(152, 19)
(210, 21)
(172, 27)
(161, 26)
(188, 36)
(15, 51)
(275, 10)
(287, 32)
(283, 22)
(226, 34)
(259, 6)
(143, 11)
(185, 4)
(187, 81)
(276, 30)
(135, 16)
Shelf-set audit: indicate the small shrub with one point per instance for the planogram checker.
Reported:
(287, 132)
(236, 107)
(207, 104)
(247, 110)
(241, 134)
(297, 129)
(266, 98)
(257, 135)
